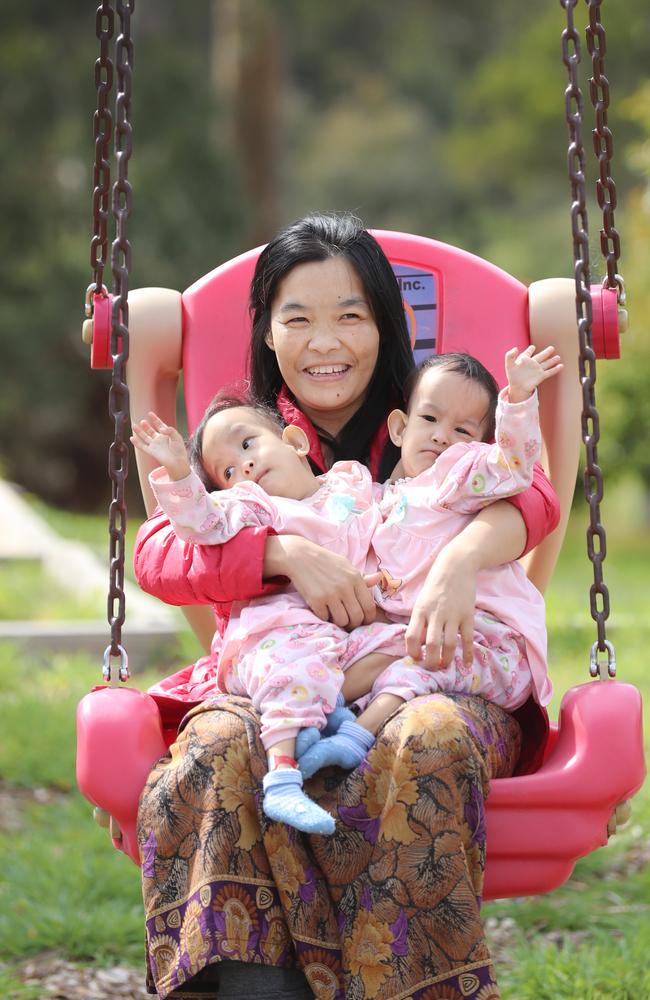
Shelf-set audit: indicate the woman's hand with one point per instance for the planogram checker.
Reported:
(329, 584)
(444, 609)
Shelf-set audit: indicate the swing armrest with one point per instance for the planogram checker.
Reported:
(119, 738)
(583, 770)
(155, 361)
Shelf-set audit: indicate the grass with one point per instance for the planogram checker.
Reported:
(588, 940)
(62, 888)
(26, 594)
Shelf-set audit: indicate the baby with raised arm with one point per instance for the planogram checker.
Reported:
(275, 649)
(447, 472)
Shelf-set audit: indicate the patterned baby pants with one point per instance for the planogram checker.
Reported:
(499, 671)
(294, 674)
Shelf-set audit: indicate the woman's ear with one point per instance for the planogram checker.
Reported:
(397, 421)
(296, 438)
(268, 339)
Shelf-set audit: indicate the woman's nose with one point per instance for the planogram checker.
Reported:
(323, 338)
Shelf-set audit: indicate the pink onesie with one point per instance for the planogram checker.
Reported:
(419, 516)
(275, 650)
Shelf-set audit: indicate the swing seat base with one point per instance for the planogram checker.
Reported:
(538, 825)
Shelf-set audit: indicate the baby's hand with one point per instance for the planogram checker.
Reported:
(527, 370)
(156, 438)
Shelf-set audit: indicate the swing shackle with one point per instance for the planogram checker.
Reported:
(595, 665)
(123, 672)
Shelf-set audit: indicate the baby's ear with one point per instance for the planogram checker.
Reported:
(397, 421)
(296, 438)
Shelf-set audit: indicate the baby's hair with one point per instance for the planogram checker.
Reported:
(225, 400)
(467, 366)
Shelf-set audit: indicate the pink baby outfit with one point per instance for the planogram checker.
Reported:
(419, 516)
(275, 650)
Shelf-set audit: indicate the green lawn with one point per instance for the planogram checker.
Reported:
(63, 889)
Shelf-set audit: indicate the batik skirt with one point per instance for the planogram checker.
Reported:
(386, 907)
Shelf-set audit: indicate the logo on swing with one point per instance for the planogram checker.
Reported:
(419, 294)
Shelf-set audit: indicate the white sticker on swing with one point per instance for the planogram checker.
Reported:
(420, 297)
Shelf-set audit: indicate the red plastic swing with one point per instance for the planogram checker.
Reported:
(539, 824)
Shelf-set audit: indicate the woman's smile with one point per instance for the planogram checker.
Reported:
(327, 371)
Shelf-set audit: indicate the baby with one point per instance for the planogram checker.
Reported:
(447, 472)
(275, 650)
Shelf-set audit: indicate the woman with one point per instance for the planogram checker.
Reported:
(388, 905)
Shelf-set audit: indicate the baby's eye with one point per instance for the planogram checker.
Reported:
(246, 443)
(461, 430)
(228, 474)
(430, 419)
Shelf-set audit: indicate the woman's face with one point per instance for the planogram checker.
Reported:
(325, 340)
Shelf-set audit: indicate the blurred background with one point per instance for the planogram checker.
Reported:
(439, 118)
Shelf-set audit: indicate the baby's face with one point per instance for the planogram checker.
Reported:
(446, 408)
(239, 446)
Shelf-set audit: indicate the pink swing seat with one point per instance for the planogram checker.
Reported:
(538, 824)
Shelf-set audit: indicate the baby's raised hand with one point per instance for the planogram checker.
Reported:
(156, 438)
(526, 370)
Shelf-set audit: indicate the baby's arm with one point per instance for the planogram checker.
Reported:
(470, 480)
(196, 515)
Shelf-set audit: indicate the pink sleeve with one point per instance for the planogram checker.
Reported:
(468, 477)
(181, 573)
(539, 507)
(210, 518)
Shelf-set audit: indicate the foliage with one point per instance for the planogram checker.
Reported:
(442, 119)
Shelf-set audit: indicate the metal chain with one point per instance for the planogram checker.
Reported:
(102, 131)
(610, 243)
(118, 457)
(593, 479)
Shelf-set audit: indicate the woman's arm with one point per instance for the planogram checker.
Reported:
(328, 583)
(181, 573)
(249, 566)
(499, 534)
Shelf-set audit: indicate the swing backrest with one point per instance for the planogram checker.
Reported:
(454, 301)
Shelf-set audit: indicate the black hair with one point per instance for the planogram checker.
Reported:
(319, 237)
(467, 366)
(225, 400)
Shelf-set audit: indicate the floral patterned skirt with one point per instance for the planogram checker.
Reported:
(386, 907)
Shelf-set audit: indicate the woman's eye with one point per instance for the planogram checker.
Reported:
(296, 321)
(351, 316)
(246, 443)
(228, 474)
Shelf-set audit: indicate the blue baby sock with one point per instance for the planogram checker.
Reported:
(311, 734)
(347, 748)
(339, 715)
(306, 738)
(285, 801)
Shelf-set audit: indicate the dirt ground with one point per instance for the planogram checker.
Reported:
(57, 979)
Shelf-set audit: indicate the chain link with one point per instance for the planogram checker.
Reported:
(118, 456)
(593, 480)
(102, 132)
(610, 243)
